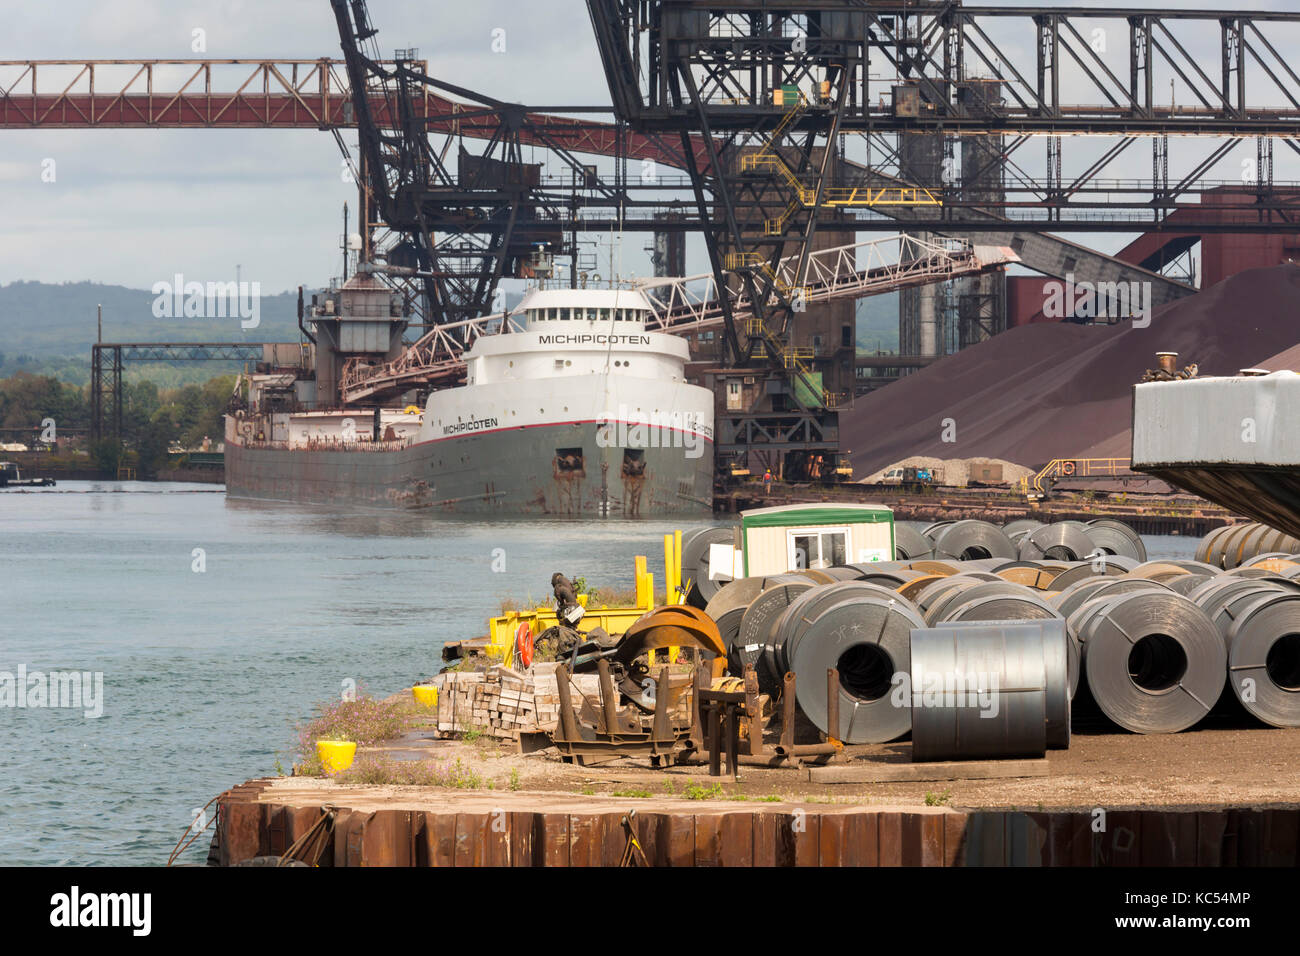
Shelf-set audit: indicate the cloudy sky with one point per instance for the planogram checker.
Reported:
(136, 206)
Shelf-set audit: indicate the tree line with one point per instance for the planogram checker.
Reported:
(152, 418)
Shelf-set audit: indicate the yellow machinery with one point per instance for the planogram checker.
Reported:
(1059, 468)
(504, 629)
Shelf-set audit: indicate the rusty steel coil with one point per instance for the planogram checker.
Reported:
(945, 568)
(979, 693)
(1208, 550)
(1061, 661)
(970, 540)
(1256, 573)
(1158, 570)
(912, 589)
(1117, 538)
(1226, 552)
(1264, 659)
(911, 545)
(1062, 541)
(1030, 575)
(867, 639)
(1273, 561)
(1154, 662)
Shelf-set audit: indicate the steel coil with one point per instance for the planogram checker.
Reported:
(868, 640)
(1081, 607)
(1157, 570)
(1230, 606)
(947, 606)
(936, 592)
(1063, 541)
(1061, 661)
(733, 594)
(1154, 662)
(802, 611)
(1185, 584)
(892, 579)
(1264, 659)
(1256, 573)
(1100, 567)
(1077, 595)
(978, 693)
(1226, 552)
(1211, 596)
(760, 618)
(1017, 529)
(944, 568)
(729, 626)
(971, 540)
(911, 545)
(1115, 537)
(695, 562)
(1206, 550)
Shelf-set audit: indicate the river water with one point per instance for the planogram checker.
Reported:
(218, 625)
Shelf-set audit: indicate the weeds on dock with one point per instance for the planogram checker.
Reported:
(694, 791)
(933, 799)
(364, 721)
(378, 770)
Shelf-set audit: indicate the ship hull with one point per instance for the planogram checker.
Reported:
(506, 471)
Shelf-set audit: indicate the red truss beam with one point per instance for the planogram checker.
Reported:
(260, 94)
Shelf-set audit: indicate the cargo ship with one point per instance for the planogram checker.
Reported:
(570, 406)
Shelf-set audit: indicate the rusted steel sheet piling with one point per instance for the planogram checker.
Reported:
(382, 828)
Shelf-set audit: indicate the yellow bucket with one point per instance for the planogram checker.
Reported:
(336, 755)
(426, 695)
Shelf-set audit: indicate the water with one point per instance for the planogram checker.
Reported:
(207, 674)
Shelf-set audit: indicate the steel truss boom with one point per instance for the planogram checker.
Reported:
(690, 304)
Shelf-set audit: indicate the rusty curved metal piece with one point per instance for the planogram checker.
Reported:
(673, 625)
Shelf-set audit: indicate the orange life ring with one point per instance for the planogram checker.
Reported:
(524, 644)
(1067, 468)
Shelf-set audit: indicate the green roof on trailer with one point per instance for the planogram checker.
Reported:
(793, 516)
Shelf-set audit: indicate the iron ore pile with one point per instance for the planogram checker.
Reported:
(1049, 617)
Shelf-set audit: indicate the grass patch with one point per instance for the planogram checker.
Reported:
(933, 799)
(694, 791)
(640, 794)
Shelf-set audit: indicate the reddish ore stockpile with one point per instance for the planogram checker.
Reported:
(1047, 391)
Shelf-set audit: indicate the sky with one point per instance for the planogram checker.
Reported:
(134, 207)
